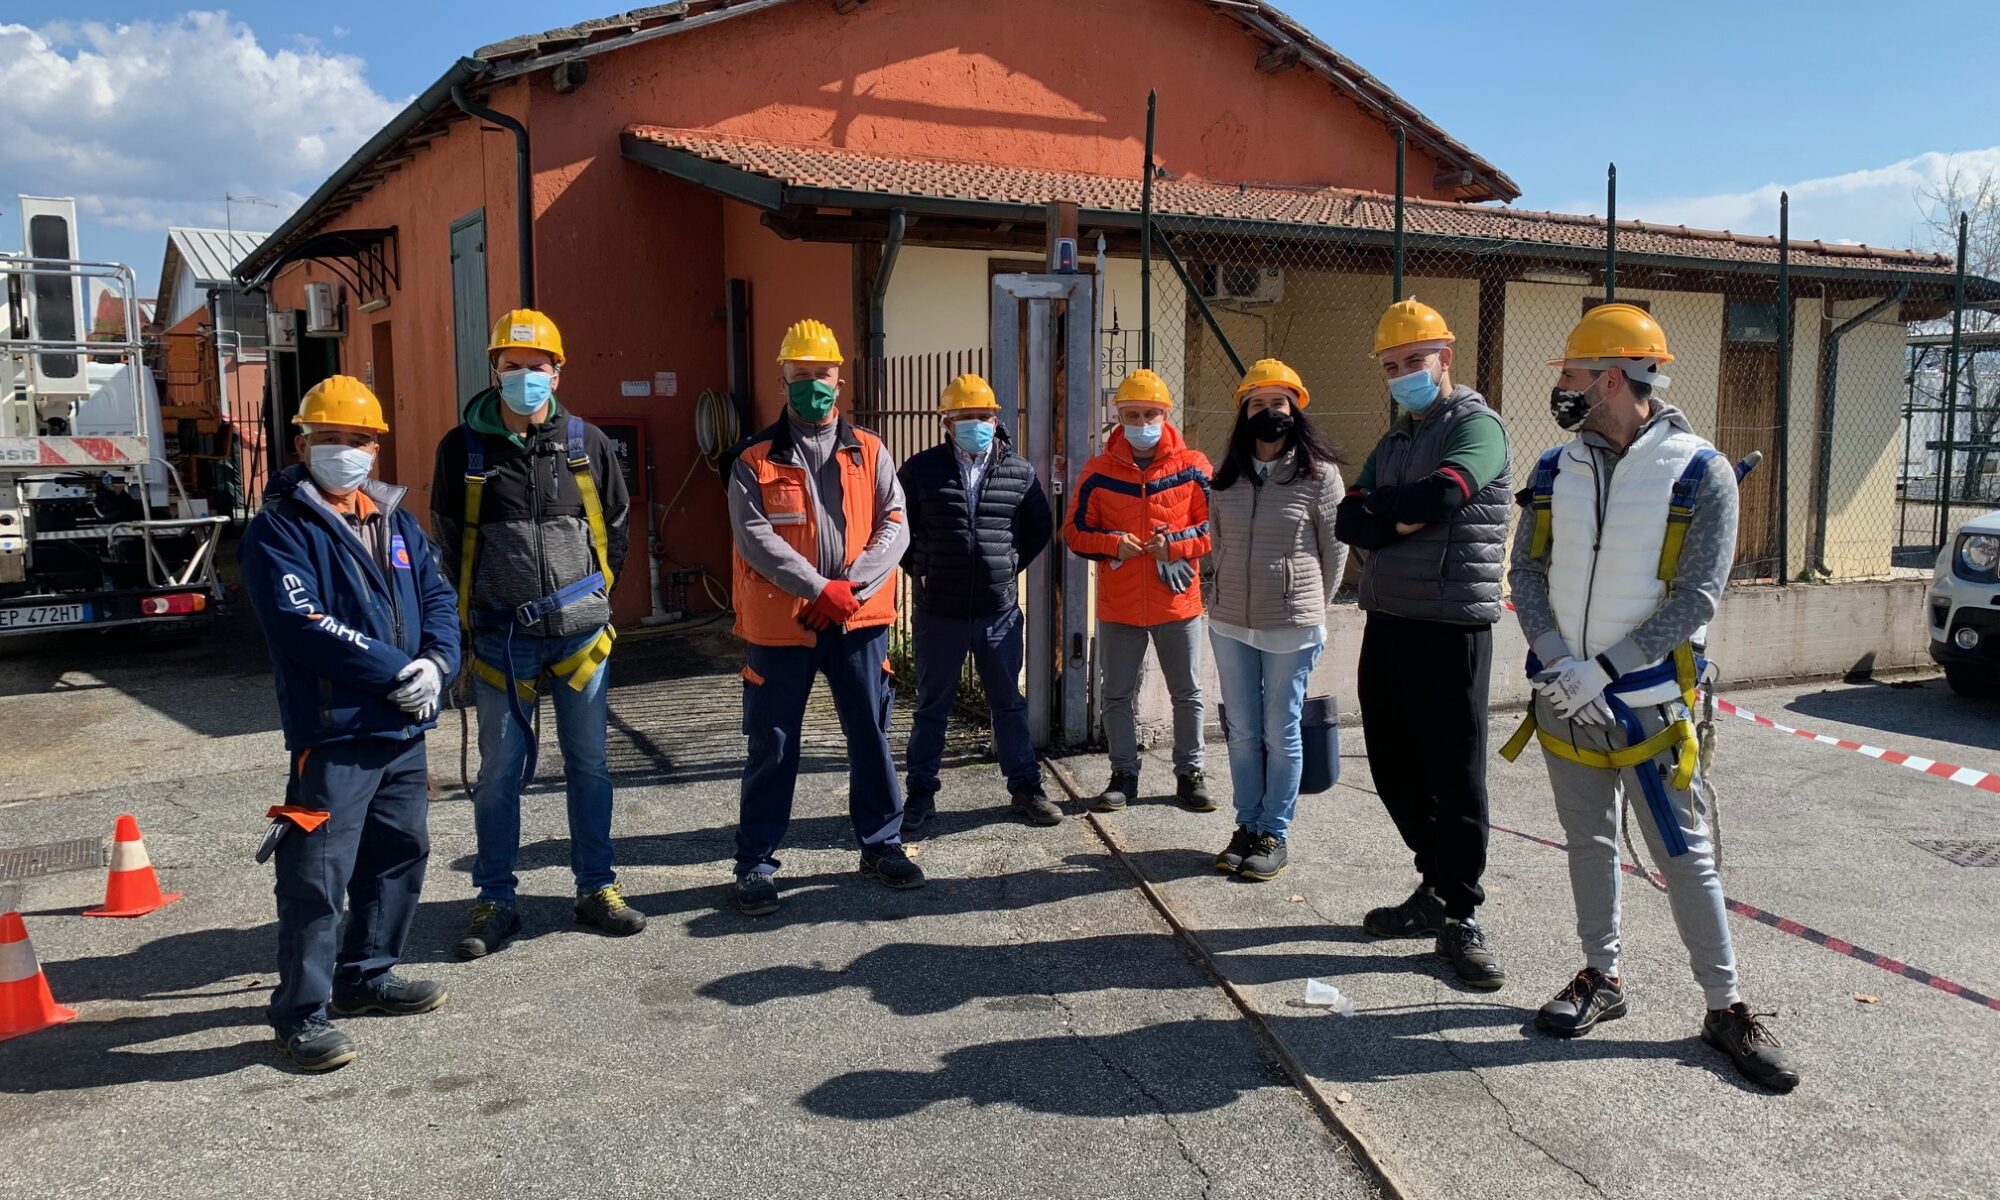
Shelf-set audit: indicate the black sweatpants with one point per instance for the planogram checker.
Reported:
(1423, 688)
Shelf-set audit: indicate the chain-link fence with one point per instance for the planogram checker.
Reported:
(1949, 466)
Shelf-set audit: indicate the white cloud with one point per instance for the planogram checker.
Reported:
(150, 124)
(1880, 206)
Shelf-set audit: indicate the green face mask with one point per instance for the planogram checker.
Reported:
(811, 399)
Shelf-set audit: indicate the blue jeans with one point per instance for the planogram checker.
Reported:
(776, 682)
(1264, 694)
(503, 750)
(370, 851)
(995, 645)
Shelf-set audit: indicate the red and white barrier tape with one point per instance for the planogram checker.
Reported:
(1985, 781)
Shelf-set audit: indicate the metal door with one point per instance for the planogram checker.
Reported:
(468, 303)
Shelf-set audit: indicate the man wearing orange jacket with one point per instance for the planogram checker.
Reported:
(819, 528)
(1141, 513)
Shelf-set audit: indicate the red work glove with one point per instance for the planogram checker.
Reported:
(836, 603)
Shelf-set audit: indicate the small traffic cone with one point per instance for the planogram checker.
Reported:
(133, 889)
(25, 1002)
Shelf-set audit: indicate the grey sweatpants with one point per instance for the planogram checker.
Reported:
(1588, 802)
(1121, 651)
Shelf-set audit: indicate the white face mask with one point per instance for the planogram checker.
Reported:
(337, 468)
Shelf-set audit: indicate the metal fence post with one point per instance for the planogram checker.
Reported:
(1784, 438)
(1396, 256)
(1611, 233)
(1146, 241)
(1951, 389)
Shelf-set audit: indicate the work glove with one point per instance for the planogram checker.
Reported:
(836, 603)
(421, 683)
(1574, 687)
(1177, 574)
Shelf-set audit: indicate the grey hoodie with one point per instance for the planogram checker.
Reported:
(1692, 597)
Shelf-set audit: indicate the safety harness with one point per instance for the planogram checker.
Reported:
(1684, 666)
(576, 670)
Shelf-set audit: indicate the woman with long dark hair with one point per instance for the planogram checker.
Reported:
(1277, 567)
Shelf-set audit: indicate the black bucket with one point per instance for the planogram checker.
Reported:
(1319, 740)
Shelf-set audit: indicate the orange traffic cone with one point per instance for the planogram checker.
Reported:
(133, 889)
(25, 1002)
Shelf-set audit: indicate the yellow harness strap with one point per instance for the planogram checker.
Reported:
(593, 511)
(490, 675)
(576, 670)
(468, 552)
(1679, 736)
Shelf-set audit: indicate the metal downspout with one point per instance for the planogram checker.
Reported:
(892, 245)
(1831, 385)
(524, 191)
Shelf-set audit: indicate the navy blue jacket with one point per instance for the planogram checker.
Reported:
(341, 624)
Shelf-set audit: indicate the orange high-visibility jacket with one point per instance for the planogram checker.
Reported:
(1114, 496)
(767, 615)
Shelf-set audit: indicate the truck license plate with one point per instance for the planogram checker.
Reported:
(32, 615)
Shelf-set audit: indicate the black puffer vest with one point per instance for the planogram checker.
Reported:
(962, 565)
(1450, 570)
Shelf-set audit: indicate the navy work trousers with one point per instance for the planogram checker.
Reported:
(995, 645)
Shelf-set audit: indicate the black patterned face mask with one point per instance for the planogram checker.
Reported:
(1571, 409)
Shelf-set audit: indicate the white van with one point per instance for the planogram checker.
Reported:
(1964, 608)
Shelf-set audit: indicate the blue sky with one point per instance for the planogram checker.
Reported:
(1851, 105)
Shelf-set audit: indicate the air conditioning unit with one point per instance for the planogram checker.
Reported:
(323, 311)
(1241, 283)
(283, 328)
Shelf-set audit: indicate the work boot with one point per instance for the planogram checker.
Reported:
(491, 925)
(1464, 943)
(756, 894)
(1191, 789)
(606, 909)
(1266, 858)
(918, 811)
(1241, 843)
(1121, 791)
(317, 1046)
(1419, 916)
(1591, 997)
(388, 993)
(892, 866)
(1033, 805)
(1740, 1033)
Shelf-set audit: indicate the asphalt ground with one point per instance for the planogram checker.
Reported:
(1455, 1092)
(1026, 1025)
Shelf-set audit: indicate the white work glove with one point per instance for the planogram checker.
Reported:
(422, 682)
(1574, 687)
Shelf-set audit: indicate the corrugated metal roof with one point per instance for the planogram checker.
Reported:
(210, 255)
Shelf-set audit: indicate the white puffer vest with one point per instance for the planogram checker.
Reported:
(1602, 587)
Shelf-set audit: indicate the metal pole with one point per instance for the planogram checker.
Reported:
(1396, 263)
(1201, 305)
(1784, 438)
(1611, 234)
(524, 187)
(1146, 241)
(1951, 389)
(1909, 424)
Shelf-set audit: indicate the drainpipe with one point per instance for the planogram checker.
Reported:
(1832, 392)
(524, 193)
(891, 246)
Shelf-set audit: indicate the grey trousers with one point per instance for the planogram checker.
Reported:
(1122, 650)
(1588, 802)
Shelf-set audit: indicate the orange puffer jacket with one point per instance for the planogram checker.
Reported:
(1114, 496)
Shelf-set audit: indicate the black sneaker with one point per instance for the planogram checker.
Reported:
(892, 866)
(1266, 858)
(1464, 943)
(490, 927)
(1591, 997)
(389, 993)
(1191, 789)
(1419, 916)
(1241, 843)
(317, 1046)
(1033, 805)
(918, 811)
(1121, 791)
(606, 909)
(1740, 1033)
(756, 894)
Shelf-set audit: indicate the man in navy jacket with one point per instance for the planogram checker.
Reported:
(364, 637)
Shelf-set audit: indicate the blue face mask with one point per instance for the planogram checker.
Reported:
(973, 437)
(1416, 391)
(339, 469)
(1144, 437)
(526, 392)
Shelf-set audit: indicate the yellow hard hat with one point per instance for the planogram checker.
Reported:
(809, 341)
(526, 329)
(1615, 331)
(1409, 321)
(967, 391)
(341, 400)
(1269, 372)
(1143, 387)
